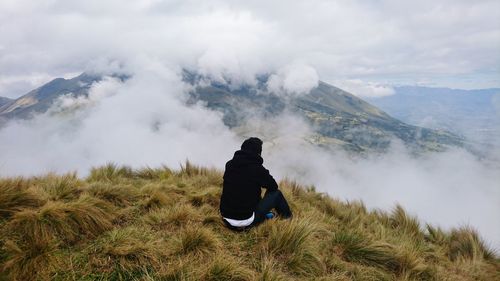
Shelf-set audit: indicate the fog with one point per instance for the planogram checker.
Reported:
(364, 89)
(145, 121)
(140, 122)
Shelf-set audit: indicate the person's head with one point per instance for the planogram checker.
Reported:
(253, 145)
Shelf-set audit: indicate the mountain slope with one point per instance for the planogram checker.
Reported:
(40, 99)
(338, 118)
(162, 224)
(473, 113)
(4, 101)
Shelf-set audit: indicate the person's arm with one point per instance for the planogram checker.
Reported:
(266, 180)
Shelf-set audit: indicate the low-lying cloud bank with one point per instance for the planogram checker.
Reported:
(142, 121)
(364, 89)
(145, 121)
(294, 79)
(449, 189)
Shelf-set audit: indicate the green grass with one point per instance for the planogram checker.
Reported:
(163, 224)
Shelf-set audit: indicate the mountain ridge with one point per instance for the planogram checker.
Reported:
(41, 98)
(334, 114)
(4, 100)
(337, 117)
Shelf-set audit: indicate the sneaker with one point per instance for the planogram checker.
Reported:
(269, 215)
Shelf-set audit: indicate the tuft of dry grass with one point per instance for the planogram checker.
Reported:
(63, 188)
(110, 173)
(29, 262)
(269, 270)
(198, 241)
(155, 199)
(210, 196)
(353, 247)
(212, 175)
(177, 216)
(227, 269)
(119, 195)
(15, 195)
(403, 260)
(285, 237)
(179, 269)
(401, 221)
(466, 244)
(149, 173)
(126, 251)
(436, 235)
(67, 222)
(290, 241)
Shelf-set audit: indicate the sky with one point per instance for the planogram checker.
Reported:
(365, 46)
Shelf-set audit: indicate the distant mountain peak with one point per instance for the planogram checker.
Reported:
(40, 99)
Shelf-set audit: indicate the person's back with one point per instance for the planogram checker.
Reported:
(241, 204)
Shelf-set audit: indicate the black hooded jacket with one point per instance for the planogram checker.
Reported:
(243, 179)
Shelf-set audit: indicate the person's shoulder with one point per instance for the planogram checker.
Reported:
(263, 169)
(229, 163)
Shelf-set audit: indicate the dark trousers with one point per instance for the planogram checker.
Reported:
(271, 200)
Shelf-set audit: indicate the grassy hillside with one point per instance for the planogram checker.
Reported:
(161, 224)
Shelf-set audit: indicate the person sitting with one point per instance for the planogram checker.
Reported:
(241, 205)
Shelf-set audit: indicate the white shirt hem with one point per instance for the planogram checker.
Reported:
(241, 223)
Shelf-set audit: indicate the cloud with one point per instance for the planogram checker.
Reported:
(365, 89)
(143, 121)
(294, 79)
(108, 87)
(388, 41)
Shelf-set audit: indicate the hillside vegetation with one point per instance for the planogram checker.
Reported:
(163, 224)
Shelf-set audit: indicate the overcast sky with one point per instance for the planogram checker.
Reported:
(453, 43)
